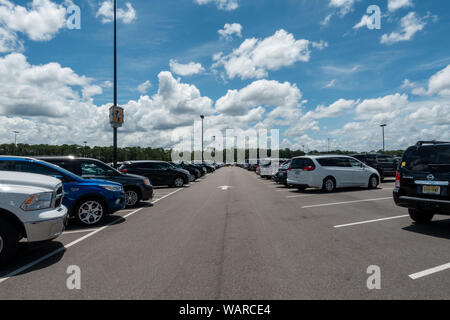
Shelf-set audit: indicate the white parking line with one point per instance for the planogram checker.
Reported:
(300, 196)
(79, 231)
(64, 248)
(428, 272)
(370, 221)
(345, 202)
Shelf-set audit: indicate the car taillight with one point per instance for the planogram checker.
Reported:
(289, 169)
(309, 168)
(397, 180)
(124, 170)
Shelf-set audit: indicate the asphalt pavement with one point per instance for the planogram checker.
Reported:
(233, 235)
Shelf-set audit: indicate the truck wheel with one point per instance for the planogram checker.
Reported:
(90, 211)
(9, 239)
(420, 216)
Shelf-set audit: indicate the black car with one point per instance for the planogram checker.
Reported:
(136, 188)
(422, 183)
(194, 171)
(281, 175)
(386, 165)
(161, 173)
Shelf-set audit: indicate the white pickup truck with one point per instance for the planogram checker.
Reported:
(30, 208)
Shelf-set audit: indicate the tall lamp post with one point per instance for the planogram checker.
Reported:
(382, 127)
(202, 117)
(116, 113)
(15, 138)
(115, 80)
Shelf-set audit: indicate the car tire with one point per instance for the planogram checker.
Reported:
(9, 240)
(132, 198)
(420, 217)
(373, 182)
(329, 185)
(90, 211)
(178, 182)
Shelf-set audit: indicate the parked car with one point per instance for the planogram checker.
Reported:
(136, 187)
(269, 167)
(422, 183)
(194, 171)
(331, 172)
(88, 200)
(281, 175)
(30, 208)
(160, 173)
(386, 165)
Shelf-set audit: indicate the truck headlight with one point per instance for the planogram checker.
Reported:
(112, 188)
(38, 201)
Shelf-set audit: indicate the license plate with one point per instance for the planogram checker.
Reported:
(432, 190)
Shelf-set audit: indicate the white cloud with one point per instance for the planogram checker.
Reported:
(185, 69)
(143, 87)
(408, 84)
(332, 111)
(255, 57)
(41, 20)
(45, 90)
(258, 93)
(330, 84)
(227, 5)
(365, 21)
(9, 41)
(231, 29)
(409, 26)
(106, 12)
(439, 83)
(394, 5)
(344, 6)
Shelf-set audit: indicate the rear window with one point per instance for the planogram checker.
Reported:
(386, 159)
(429, 158)
(301, 163)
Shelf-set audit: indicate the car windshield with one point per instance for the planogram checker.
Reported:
(429, 158)
(62, 171)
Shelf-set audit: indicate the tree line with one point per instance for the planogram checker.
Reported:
(105, 154)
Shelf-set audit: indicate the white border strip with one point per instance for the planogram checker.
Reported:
(370, 221)
(428, 272)
(346, 202)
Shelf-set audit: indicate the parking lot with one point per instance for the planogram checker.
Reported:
(233, 235)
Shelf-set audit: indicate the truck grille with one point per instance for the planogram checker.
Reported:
(59, 195)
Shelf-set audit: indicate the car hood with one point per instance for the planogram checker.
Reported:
(99, 181)
(29, 180)
(183, 171)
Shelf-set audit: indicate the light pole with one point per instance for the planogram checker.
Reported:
(202, 117)
(115, 83)
(85, 145)
(382, 127)
(15, 138)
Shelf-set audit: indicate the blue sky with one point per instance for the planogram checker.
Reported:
(306, 69)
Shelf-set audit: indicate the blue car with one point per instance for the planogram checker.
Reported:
(87, 200)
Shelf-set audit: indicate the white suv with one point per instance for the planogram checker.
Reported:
(331, 172)
(30, 207)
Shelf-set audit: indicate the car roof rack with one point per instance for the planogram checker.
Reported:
(421, 143)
